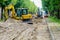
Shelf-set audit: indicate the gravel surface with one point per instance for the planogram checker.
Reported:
(18, 30)
(55, 29)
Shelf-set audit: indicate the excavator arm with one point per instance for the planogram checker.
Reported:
(11, 8)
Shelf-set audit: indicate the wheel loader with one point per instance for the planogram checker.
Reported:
(18, 13)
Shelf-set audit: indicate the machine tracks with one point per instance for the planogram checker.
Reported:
(43, 33)
(55, 31)
(39, 30)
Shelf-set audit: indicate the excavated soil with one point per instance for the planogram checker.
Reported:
(18, 30)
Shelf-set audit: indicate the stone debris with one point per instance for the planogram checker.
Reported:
(55, 29)
(16, 30)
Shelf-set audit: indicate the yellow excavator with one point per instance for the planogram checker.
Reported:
(9, 11)
(18, 13)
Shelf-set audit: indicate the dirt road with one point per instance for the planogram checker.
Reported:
(17, 30)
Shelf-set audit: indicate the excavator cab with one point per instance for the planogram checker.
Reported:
(23, 13)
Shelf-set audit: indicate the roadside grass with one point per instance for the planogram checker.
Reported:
(54, 19)
(1, 20)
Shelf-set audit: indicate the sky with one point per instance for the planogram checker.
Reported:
(38, 3)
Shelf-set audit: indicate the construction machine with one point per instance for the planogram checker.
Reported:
(23, 13)
(9, 11)
(18, 13)
(39, 13)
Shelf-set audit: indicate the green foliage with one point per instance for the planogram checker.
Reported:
(5, 2)
(52, 6)
(14, 1)
(20, 4)
(54, 19)
(26, 4)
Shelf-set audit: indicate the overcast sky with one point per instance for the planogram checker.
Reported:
(38, 3)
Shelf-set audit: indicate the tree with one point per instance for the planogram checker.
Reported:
(20, 4)
(53, 7)
(26, 4)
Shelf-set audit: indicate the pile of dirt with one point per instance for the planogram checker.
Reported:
(15, 30)
(10, 20)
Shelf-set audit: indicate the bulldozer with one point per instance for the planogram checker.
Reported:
(18, 13)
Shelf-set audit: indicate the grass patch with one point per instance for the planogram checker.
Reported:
(1, 20)
(54, 19)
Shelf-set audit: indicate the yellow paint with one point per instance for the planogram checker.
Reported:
(28, 16)
(14, 15)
